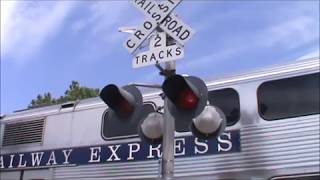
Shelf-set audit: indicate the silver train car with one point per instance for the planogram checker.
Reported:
(272, 133)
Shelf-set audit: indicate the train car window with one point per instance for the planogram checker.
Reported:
(290, 97)
(228, 101)
(114, 128)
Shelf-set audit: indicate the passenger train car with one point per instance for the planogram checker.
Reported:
(272, 133)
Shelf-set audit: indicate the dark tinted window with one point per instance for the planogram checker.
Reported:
(290, 97)
(228, 101)
(115, 128)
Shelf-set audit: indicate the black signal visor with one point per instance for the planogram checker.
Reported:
(181, 92)
(120, 101)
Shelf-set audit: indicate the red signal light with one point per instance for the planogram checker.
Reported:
(186, 97)
(187, 100)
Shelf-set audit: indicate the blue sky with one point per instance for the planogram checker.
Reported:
(45, 45)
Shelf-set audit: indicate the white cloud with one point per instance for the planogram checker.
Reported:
(26, 26)
(100, 25)
(290, 33)
(7, 11)
(214, 58)
(102, 16)
(293, 33)
(312, 54)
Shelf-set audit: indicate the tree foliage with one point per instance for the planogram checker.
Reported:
(75, 92)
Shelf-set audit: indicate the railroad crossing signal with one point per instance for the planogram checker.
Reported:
(124, 102)
(168, 21)
(159, 52)
(158, 15)
(188, 95)
(125, 110)
(185, 98)
(188, 104)
(158, 12)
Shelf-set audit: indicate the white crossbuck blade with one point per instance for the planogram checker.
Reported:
(158, 55)
(159, 52)
(158, 15)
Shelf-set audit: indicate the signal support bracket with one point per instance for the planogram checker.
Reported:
(165, 72)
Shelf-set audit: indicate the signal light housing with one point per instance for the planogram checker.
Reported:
(187, 95)
(126, 110)
(123, 101)
(187, 98)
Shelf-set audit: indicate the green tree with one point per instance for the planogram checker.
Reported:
(75, 92)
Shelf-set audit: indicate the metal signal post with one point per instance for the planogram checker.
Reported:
(185, 97)
(167, 162)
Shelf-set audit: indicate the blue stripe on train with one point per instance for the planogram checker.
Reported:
(136, 151)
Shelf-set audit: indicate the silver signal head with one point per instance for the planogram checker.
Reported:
(151, 128)
(211, 122)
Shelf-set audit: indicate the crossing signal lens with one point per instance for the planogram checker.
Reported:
(187, 100)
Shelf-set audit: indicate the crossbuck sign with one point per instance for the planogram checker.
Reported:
(158, 14)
